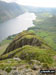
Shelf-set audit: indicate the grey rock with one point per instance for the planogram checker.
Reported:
(13, 68)
(3, 72)
(15, 73)
(17, 59)
(35, 67)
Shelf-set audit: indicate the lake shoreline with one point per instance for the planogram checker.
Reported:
(25, 20)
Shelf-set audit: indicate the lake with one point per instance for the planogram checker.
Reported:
(16, 25)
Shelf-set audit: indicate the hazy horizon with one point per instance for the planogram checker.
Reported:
(36, 3)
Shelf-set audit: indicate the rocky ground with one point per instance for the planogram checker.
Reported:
(24, 70)
(27, 54)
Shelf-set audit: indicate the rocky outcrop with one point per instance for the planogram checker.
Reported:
(23, 39)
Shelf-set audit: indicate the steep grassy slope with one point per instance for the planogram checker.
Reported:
(45, 27)
(28, 53)
(9, 11)
(28, 46)
(6, 42)
(26, 38)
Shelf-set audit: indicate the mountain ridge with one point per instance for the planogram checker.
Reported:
(27, 46)
(9, 10)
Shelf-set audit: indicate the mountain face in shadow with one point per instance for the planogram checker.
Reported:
(9, 10)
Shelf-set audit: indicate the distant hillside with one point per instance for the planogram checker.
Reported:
(45, 27)
(40, 9)
(9, 10)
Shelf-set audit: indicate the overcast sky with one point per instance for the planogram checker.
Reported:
(38, 3)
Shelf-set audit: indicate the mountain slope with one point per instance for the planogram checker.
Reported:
(28, 47)
(9, 10)
(26, 38)
(45, 27)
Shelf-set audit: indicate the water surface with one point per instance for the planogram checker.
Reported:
(16, 25)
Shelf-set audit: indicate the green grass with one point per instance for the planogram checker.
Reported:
(45, 28)
(28, 53)
(37, 53)
(8, 64)
(26, 38)
(3, 48)
(5, 43)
